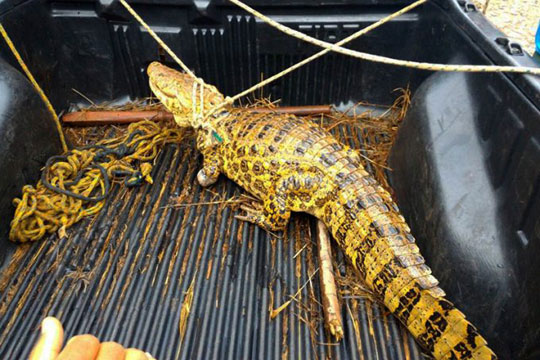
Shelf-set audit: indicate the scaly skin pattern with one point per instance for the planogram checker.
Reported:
(291, 164)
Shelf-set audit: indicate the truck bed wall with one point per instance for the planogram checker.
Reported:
(466, 160)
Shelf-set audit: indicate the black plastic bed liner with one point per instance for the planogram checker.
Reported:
(465, 170)
(124, 276)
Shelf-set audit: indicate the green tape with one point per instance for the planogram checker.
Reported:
(216, 135)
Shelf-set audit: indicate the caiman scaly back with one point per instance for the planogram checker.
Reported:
(291, 164)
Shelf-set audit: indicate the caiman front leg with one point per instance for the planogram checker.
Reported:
(212, 164)
(270, 214)
(292, 192)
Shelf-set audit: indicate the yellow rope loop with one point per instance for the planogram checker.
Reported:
(71, 205)
(146, 169)
(28, 209)
(33, 230)
(146, 154)
(41, 210)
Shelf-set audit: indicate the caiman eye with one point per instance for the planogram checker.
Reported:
(167, 91)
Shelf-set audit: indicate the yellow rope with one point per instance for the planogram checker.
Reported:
(386, 60)
(77, 183)
(162, 43)
(36, 86)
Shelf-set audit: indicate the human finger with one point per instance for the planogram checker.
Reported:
(80, 347)
(50, 340)
(135, 354)
(111, 351)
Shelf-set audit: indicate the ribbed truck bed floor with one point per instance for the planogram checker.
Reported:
(128, 275)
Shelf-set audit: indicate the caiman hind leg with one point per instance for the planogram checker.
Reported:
(270, 214)
(211, 169)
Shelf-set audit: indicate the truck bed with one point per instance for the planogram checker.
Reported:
(129, 274)
(464, 172)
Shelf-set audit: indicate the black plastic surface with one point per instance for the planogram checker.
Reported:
(467, 177)
(29, 137)
(474, 208)
(125, 276)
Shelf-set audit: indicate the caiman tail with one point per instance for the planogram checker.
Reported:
(367, 224)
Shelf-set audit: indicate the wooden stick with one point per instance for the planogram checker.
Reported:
(331, 307)
(295, 110)
(93, 118)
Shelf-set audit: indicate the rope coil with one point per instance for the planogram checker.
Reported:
(76, 184)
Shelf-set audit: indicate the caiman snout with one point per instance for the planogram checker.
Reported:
(168, 82)
(153, 66)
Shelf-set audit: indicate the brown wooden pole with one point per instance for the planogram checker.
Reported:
(93, 118)
(295, 110)
(330, 302)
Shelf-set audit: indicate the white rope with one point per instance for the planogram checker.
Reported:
(382, 59)
(349, 38)
(197, 105)
(327, 47)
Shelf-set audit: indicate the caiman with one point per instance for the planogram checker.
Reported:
(292, 164)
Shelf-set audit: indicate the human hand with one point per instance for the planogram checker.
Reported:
(80, 347)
